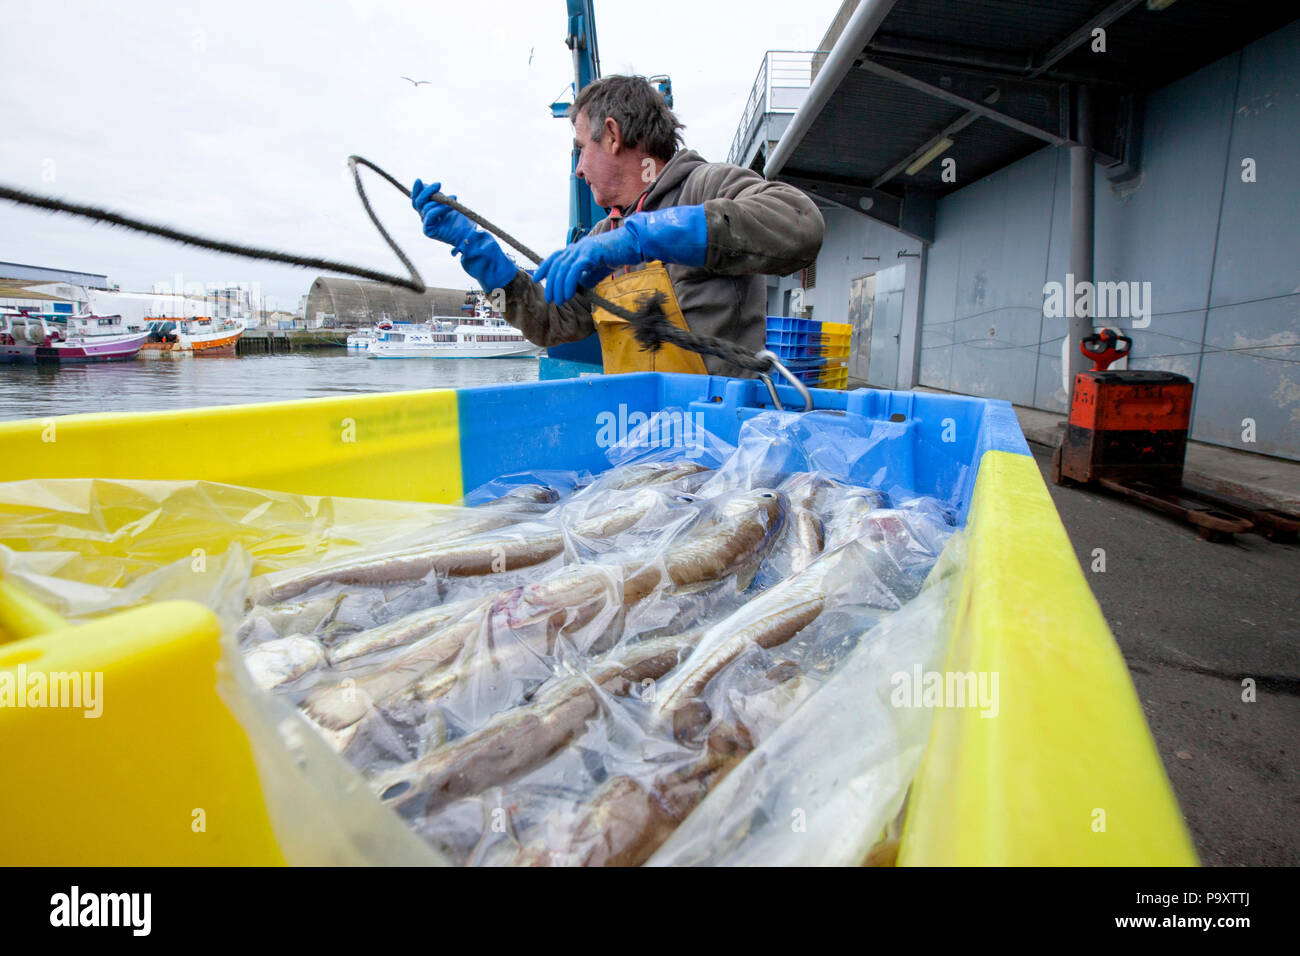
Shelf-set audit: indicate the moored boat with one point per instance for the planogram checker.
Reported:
(483, 334)
(29, 337)
(362, 339)
(448, 338)
(193, 336)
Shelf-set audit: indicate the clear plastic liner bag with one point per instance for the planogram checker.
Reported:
(823, 785)
(530, 491)
(774, 445)
(670, 446)
(111, 531)
(217, 581)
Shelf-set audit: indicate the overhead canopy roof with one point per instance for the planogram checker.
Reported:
(1000, 78)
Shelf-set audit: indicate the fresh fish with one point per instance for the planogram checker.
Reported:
(921, 534)
(681, 471)
(690, 484)
(804, 490)
(404, 630)
(649, 473)
(519, 740)
(522, 625)
(283, 660)
(462, 557)
(371, 735)
(526, 494)
(629, 512)
(848, 519)
(733, 537)
(299, 617)
(341, 705)
(581, 586)
(762, 711)
(570, 599)
(504, 657)
(904, 545)
(831, 491)
(483, 554)
(516, 625)
(810, 489)
(533, 615)
(770, 619)
(628, 820)
(808, 538)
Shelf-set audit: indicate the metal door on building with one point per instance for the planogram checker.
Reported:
(862, 294)
(886, 326)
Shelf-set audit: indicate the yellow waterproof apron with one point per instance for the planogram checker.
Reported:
(618, 345)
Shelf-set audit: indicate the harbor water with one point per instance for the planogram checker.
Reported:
(157, 384)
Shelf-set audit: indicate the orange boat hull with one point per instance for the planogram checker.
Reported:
(218, 345)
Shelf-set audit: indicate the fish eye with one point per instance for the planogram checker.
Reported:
(767, 494)
(396, 790)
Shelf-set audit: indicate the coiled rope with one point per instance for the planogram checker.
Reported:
(649, 322)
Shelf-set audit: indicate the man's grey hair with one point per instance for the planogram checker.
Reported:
(640, 110)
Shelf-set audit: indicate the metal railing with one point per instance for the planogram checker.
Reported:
(782, 82)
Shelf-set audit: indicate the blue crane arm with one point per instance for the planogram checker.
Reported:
(581, 41)
(583, 211)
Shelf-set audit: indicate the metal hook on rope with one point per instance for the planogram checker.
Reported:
(789, 376)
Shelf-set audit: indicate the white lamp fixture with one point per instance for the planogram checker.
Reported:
(926, 158)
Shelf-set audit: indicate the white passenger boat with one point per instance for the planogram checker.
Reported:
(362, 339)
(483, 335)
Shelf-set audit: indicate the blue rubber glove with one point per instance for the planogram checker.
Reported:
(480, 256)
(677, 234)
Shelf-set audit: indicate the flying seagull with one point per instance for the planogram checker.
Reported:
(415, 82)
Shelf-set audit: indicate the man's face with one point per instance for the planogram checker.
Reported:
(596, 161)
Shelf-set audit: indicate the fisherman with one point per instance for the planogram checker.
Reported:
(702, 234)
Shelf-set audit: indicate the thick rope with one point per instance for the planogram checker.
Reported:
(413, 282)
(650, 324)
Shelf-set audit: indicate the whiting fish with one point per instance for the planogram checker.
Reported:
(283, 660)
(770, 619)
(516, 741)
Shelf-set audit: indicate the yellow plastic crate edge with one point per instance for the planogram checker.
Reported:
(163, 775)
(1067, 772)
(22, 616)
(317, 446)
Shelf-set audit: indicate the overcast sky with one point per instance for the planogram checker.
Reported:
(235, 118)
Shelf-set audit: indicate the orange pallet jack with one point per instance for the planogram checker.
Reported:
(1127, 433)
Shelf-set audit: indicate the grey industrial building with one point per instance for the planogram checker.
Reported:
(351, 303)
(19, 272)
(971, 157)
(47, 290)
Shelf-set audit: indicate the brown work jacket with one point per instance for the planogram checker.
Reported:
(756, 228)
